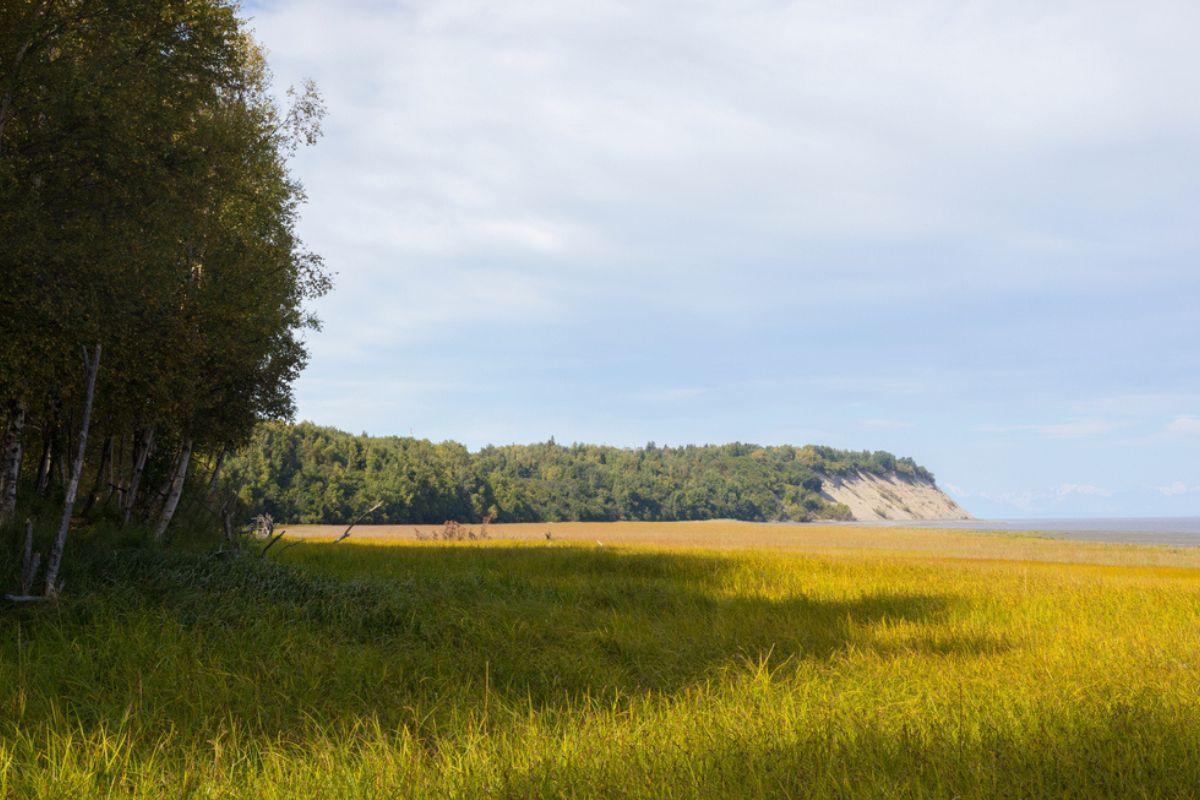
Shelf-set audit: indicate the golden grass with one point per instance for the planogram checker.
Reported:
(939, 668)
(808, 538)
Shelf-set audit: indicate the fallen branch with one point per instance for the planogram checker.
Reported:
(357, 520)
(277, 537)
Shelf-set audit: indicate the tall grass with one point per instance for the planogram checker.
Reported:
(529, 671)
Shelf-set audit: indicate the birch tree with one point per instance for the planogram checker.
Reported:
(91, 363)
(146, 210)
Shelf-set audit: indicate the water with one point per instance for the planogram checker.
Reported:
(1174, 531)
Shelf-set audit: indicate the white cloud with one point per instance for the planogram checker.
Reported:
(1177, 488)
(1186, 425)
(1074, 429)
(408, 306)
(465, 128)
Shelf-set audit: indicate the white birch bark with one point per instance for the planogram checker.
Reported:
(64, 523)
(142, 452)
(175, 490)
(10, 469)
(47, 461)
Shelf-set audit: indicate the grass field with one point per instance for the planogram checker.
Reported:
(806, 538)
(930, 663)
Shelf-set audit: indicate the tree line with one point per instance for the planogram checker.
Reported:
(306, 473)
(153, 293)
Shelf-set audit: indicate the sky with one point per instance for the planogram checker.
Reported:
(963, 232)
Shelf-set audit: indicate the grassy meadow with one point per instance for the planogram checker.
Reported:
(387, 667)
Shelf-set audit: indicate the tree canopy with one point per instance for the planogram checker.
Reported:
(146, 213)
(307, 473)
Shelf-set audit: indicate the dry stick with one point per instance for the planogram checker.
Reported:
(278, 536)
(60, 540)
(357, 520)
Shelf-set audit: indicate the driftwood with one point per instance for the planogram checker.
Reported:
(358, 519)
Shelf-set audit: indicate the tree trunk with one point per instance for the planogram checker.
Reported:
(216, 475)
(47, 460)
(141, 452)
(226, 515)
(10, 467)
(156, 499)
(61, 453)
(92, 365)
(175, 490)
(115, 465)
(29, 561)
(98, 484)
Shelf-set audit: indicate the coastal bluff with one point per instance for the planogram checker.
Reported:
(891, 496)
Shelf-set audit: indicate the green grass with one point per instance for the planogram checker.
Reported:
(531, 671)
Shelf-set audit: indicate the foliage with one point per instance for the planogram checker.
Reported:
(491, 670)
(146, 205)
(306, 473)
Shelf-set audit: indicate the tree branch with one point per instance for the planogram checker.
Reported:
(357, 520)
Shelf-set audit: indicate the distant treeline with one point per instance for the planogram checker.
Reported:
(307, 473)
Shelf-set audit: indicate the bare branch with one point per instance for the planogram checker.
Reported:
(270, 544)
(357, 520)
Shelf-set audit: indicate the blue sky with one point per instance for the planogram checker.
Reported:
(965, 232)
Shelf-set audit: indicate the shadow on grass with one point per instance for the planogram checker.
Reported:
(400, 634)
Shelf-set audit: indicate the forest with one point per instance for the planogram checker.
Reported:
(307, 474)
(154, 287)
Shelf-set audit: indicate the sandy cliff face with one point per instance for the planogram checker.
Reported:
(872, 497)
